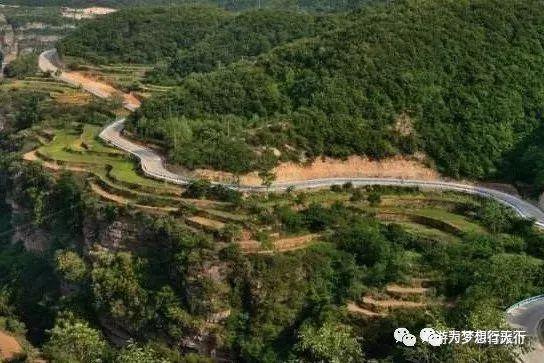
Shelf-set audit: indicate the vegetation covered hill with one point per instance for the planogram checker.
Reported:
(458, 80)
(244, 36)
(102, 257)
(141, 35)
(196, 39)
(227, 4)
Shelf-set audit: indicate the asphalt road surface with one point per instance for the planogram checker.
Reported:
(153, 166)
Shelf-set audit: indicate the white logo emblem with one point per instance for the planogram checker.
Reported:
(404, 336)
(430, 336)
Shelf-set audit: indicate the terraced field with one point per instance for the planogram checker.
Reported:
(38, 84)
(80, 147)
(416, 293)
(113, 177)
(125, 77)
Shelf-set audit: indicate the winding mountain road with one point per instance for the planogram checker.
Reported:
(153, 166)
(528, 314)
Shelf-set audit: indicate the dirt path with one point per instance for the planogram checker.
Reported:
(49, 61)
(32, 156)
(9, 347)
(101, 89)
(393, 304)
(354, 308)
(403, 290)
(279, 245)
(123, 201)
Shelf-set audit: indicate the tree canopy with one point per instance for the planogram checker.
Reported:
(141, 35)
(457, 80)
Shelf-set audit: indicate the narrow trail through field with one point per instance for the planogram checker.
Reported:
(32, 156)
(123, 201)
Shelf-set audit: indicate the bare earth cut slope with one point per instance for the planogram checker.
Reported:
(9, 347)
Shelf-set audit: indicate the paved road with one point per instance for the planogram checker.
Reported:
(526, 315)
(153, 165)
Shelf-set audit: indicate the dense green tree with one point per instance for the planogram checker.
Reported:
(116, 288)
(22, 66)
(141, 35)
(66, 203)
(379, 85)
(244, 36)
(322, 5)
(73, 340)
(525, 162)
(29, 113)
(331, 343)
(71, 267)
(133, 353)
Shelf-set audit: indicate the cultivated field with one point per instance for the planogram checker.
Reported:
(113, 177)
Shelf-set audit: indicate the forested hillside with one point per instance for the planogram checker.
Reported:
(141, 35)
(241, 37)
(461, 81)
(227, 4)
(189, 39)
(99, 263)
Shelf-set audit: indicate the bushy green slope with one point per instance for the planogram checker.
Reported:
(525, 163)
(465, 78)
(141, 35)
(327, 5)
(247, 35)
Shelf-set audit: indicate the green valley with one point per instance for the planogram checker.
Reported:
(275, 181)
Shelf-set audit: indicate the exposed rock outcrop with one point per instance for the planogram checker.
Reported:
(114, 236)
(34, 239)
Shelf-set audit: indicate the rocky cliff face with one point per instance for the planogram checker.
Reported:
(8, 43)
(34, 239)
(116, 235)
(206, 289)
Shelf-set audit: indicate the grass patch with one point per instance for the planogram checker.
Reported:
(100, 160)
(459, 221)
(429, 232)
